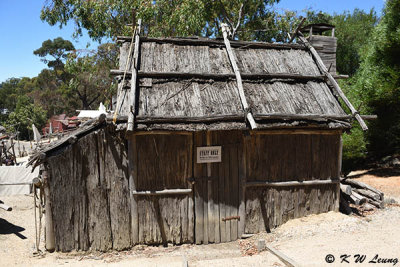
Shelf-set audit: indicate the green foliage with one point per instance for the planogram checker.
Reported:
(352, 32)
(48, 92)
(160, 18)
(378, 81)
(58, 49)
(90, 81)
(354, 148)
(8, 93)
(25, 114)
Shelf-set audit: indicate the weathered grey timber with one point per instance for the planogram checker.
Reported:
(147, 187)
(326, 46)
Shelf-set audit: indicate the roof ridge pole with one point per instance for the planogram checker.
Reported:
(235, 68)
(335, 85)
(132, 94)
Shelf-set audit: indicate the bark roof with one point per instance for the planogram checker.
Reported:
(192, 81)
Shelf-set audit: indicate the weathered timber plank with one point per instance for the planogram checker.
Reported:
(80, 201)
(60, 166)
(100, 235)
(116, 173)
(221, 76)
(234, 170)
(132, 159)
(215, 191)
(222, 198)
(291, 183)
(241, 185)
(213, 42)
(199, 171)
(163, 192)
(191, 223)
(210, 200)
(227, 190)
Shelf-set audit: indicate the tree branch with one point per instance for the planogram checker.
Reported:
(225, 13)
(238, 22)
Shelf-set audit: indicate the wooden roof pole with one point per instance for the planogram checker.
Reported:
(335, 85)
(120, 95)
(132, 94)
(293, 35)
(242, 97)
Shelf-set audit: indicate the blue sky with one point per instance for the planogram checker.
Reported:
(22, 31)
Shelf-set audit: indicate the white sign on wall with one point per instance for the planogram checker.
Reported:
(207, 154)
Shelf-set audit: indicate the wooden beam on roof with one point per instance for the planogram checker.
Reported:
(235, 68)
(340, 76)
(335, 85)
(224, 76)
(132, 95)
(215, 42)
(236, 117)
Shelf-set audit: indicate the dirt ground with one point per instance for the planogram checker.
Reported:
(307, 240)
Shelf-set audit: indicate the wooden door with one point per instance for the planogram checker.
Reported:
(218, 189)
(162, 199)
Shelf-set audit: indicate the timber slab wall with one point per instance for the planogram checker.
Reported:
(108, 192)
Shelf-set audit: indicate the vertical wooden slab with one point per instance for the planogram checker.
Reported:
(316, 156)
(117, 174)
(227, 191)
(183, 220)
(215, 192)
(234, 190)
(191, 223)
(199, 202)
(222, 200)
(242, 188)
(339, 172)
(208, 220)
(295, 193)
(99, 221)
(80, 201)
(132, 158)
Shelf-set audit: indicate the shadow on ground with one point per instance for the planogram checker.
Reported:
(379, 172)
(7, 228)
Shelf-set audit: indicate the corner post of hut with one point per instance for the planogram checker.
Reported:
(49, 226)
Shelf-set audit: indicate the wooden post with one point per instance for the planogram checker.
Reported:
(132, 96)
(335, 85)
(13, 151)
(49, 231)
(235, 68)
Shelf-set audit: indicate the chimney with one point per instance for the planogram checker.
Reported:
(324, 42)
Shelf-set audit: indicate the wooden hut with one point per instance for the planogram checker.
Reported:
(211, 139)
